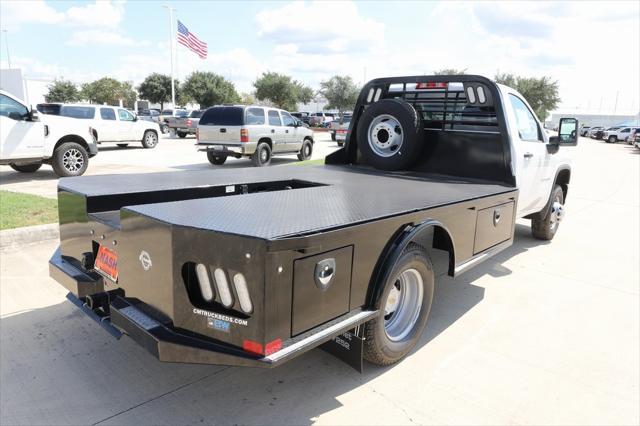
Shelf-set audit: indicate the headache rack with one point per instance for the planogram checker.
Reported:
(465, 131)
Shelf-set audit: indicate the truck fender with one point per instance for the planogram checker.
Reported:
(400, 240)
(563, 176)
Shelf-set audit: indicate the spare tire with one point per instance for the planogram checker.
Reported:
(390, 134)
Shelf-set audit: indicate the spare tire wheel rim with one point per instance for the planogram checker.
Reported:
(403, 305)
(72, 160)
(385, 135)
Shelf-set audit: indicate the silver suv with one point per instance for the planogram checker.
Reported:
(251, 131)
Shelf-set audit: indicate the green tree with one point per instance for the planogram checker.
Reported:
(282, 90)
(450, 71)
(128, 94)
(247, 99)
(108, 90)
(304, 93)
(341, 92)
(541, 93)
(156, 88)
(207, 89)
(62, 91)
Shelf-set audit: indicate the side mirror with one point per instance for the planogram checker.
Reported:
(567, 133)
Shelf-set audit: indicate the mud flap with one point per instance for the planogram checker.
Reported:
(348, 347)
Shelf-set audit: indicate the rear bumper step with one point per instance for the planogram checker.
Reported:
(172, 345)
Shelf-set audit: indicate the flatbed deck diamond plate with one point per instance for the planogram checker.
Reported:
(350, 195)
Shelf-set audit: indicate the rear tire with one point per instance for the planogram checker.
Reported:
(403, 306)
(306, 150)
(181, 135)
(390, 135)
(612, 139)
(70, 159)
(217, 160)
(26, 168)
(545, 227)
(262, 156)
(150, 139)
(123, 145)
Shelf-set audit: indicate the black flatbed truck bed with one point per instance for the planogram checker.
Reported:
(274, 227)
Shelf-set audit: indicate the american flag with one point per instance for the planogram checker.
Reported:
(188, 39)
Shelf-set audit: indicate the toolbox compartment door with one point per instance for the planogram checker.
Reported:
(493, 226)
(321, 288)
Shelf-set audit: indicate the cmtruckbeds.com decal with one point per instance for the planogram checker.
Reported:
(227, 318)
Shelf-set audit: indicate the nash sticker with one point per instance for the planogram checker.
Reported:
(219, 324)
(221, 317)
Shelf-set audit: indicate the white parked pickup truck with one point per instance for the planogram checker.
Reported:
(258, 267)
(110, 124)
(28, 141)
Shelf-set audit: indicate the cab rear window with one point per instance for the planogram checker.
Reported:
(222, 116)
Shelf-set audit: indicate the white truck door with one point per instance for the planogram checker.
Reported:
(107, 125)
(531, 157)
(20, 138)
(127, 128)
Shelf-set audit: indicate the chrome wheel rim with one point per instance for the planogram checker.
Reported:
(307, 150)
(403, 305)
(557, 213)
(264, 155)
(151, 139)
(72, 160)
(385, 135)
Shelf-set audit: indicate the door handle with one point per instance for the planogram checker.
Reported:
(528, 155)
(286, 131)
(273, 130)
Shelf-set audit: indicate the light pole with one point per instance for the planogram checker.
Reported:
(173, 87)
(6, 43)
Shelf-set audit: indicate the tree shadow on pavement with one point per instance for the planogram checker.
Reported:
(58, 366)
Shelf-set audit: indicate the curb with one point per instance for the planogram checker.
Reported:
(28, 234)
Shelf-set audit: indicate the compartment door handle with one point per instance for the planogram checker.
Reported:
(324, 273)
(496, 216)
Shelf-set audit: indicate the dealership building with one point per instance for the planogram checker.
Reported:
(591, 120)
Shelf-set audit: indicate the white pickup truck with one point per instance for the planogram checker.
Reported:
(27, 141)
(110, 124)
(340, 251)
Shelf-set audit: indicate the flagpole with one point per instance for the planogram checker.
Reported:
(171, 47)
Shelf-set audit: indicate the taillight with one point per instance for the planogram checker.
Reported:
(242, 290)
(244, 135)
(341, 131)
(432, 85)
(189, 122)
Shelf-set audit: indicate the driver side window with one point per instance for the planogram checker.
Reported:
(125, 115)
(12, 109)
(288, 120)
(528, 129)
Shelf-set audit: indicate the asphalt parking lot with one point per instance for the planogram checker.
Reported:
(171, 154)
(544, 333)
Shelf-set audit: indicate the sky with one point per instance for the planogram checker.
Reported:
(591, 48)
